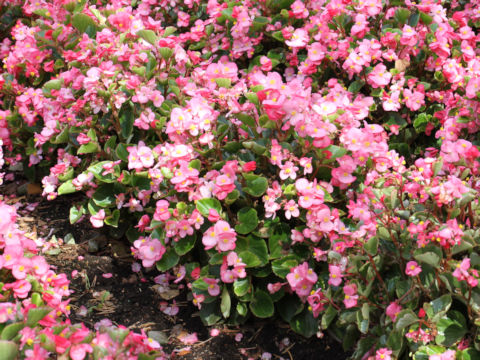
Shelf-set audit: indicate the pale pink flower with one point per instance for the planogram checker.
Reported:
(97, 219)
(413, 269)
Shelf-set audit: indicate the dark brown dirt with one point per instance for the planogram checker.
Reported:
(128, 299)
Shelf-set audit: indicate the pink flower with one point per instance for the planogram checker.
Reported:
(20, 288)
(413, 101)
(383, 354)
(198, 299)
(447, 355)
(317, 301)
(335, 275)
(188, 339)
(413, 269)
(213, 288)
(350, 295)
(299, 38)
(220, 235)
(161, 211)
(291, 209)
(79, 351)
(301, 279)
(213, 215)
(379, 77)
(149, 251)
(360, 27)
(266, 63)
(83, 139)
(249, 166)
(393, 310)
(289, 170)
(97, 219)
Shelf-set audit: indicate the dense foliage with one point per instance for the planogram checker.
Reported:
(315, 159)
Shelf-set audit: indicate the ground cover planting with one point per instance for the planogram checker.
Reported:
(312, 161)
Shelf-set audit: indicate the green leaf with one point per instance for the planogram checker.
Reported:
(371, 246)
(126, 121)
(328, 317)
(166, 52)
(248, 220)
(350, 338)
(429, 258)
(53, 84)
(395, 341)
(148, 35)
(184, 245)
(75, 214)
(241, 286)
(279, 236)
(259, 23)
(281, 267)
(441, 305)
(169, 30)
(426, 19)
(437, 166)
(249, 259)
(63, 137)
(252, 245)
(168, 260)
(91, 147)
(104, 196)
(83, 22)
(413, 20)
(209, 313)
(67, 175)
(449, 332)
(363, 318)
(11, 330)
(246, 119)
(122, 152)
(262, 304)
(253, 98)
(8, 350)
(401, 15)
(225, 303)
(36, 314)
(304, 324)
(266, 123)
(420, 123)
(66, 188)
(97, 170)
(405, 318)
(224, 82)
(467, 198)
(37, 299)
(199, 285)
(204, 205)
(242, 309)
(468, 354)
(112, 220)
(277, 35)
(289, 306)
(232, 197)
(356, 86)
(256, 187)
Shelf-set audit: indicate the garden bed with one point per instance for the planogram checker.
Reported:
(129, 298)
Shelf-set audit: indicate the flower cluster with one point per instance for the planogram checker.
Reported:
(34, 300)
